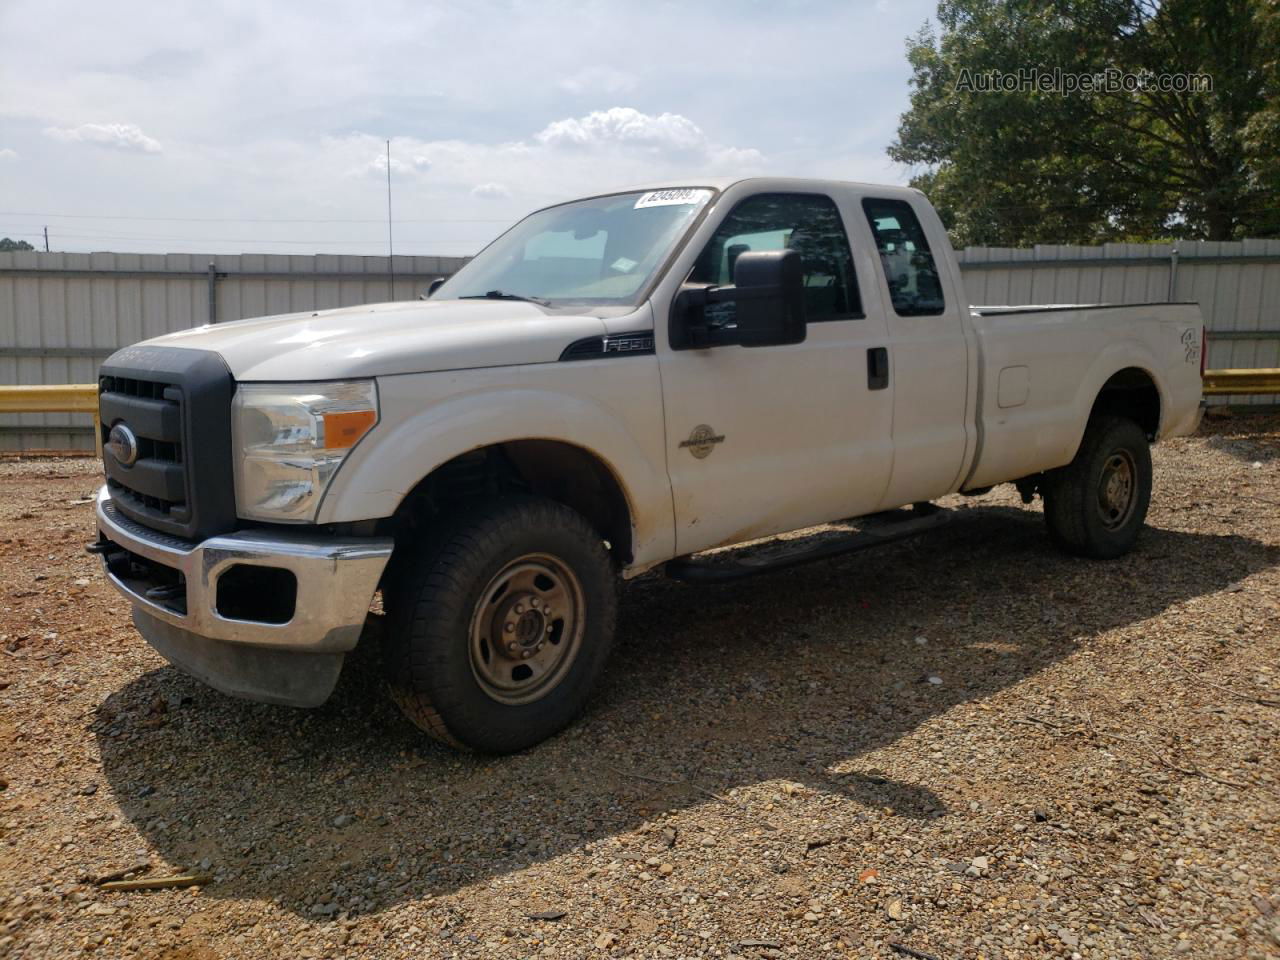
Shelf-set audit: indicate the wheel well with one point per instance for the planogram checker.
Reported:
(547, 468)
(1131, 393)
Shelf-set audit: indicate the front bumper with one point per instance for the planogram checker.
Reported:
(178, 606)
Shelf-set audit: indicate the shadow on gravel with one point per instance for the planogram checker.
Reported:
(784, 676)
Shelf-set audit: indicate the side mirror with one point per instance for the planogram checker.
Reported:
(768, 299)
(432, 287)
(769, 287)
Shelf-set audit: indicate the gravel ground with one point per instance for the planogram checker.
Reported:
(969, 746)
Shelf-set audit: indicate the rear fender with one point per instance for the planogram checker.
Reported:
(1122, 355)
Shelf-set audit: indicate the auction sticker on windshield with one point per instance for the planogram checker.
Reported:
(670, 198)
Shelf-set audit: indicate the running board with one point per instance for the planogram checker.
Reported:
(878, 530)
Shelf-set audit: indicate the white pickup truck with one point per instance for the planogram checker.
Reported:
(614, 384)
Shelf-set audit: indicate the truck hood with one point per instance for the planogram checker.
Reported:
(389, 338)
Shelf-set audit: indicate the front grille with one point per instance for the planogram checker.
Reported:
(177, 404)
(155, 484)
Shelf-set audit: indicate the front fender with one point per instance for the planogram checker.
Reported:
(428, 419)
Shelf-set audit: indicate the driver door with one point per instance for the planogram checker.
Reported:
(762, 440)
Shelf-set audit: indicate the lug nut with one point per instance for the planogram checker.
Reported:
(519, 608)
(510, 628)
(550, 627)
(512, 647)
(526, 654)
(534, 603)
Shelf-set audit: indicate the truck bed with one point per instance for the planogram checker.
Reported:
(1040, 369)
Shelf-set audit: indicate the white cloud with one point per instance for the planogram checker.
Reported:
(671, 135)
(666, 133)
(8, 154)
(597, 80)
(415, 163)
(490, 191)
(624, 125)
(119, 136)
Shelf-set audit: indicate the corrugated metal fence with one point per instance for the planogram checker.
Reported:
(62, 314)
(1237, 285)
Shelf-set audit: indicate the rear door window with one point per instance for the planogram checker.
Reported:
(909, 267)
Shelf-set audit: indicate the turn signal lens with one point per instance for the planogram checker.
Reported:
(342, 430)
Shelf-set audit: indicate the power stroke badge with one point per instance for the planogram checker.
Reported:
(702, 441)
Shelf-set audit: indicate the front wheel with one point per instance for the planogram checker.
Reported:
(501, 624)
(1096, 505)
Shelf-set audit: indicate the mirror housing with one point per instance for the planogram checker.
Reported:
(768, 299)
(433, 286)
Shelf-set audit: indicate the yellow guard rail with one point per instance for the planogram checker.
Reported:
(55, 398)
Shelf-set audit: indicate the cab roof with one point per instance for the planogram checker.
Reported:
(768, 183)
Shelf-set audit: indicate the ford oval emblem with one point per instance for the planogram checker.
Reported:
(123, 444)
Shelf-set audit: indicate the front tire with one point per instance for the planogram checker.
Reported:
(1097, 505)
(500, 625)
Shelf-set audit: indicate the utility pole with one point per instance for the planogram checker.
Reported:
(46, 239)
(391, 264)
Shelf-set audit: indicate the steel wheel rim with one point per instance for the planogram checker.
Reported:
(1117, 489)
(526, 629)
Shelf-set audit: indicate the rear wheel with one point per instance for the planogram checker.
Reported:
(1097, 505)
(500, 625)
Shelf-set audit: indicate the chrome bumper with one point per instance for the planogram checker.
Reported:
(336, 579)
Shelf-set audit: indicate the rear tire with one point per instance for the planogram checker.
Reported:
(1097, 505)
(500, 625)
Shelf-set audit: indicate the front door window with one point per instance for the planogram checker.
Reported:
(808, 223)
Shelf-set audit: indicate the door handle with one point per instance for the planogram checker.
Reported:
(877, 368)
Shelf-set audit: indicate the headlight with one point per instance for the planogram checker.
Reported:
(290, 440)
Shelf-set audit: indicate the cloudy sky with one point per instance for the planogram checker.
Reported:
(229, 127)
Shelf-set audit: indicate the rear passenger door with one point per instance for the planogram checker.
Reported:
(928, 352)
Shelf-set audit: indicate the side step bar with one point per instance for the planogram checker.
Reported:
(878, 530)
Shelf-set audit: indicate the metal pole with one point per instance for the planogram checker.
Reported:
(1173, 273)
(391, 252)
(213, 293)
(46, 239)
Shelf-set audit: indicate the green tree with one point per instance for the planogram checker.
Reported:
(6, 244)
(1034, 165)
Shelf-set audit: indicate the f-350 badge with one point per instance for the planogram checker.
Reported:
(702, 441)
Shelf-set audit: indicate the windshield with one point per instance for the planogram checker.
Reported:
(601, 251)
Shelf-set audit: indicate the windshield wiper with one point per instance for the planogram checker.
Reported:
(503, 295)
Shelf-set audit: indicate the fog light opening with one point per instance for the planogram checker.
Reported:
(257, 594)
